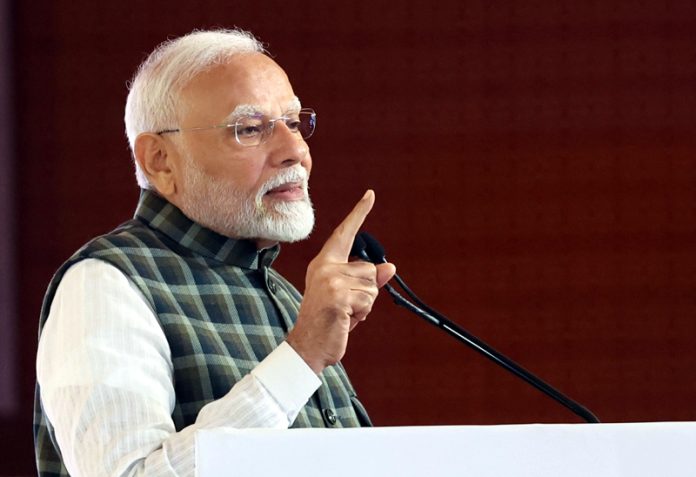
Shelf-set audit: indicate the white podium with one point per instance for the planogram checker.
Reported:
(666, 449)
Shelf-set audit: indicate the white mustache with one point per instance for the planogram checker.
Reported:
(286, 176)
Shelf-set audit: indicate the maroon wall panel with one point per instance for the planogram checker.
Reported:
(535, 171)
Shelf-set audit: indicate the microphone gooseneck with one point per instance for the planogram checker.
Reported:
(367, 248)
(375, 251)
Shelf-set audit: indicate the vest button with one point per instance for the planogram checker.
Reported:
(329, 416)
(272, 286)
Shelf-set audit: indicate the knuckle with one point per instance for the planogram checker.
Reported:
(341, 229)
(334, 285)
(371, 271)
(313, 265)
(365, 299)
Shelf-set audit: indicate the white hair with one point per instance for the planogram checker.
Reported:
(154, 98)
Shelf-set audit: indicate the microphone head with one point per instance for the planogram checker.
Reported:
(358, 248)
(373, 248)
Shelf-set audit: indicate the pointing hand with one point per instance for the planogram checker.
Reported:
(338, 293)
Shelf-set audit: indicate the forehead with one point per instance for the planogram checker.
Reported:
(248, 79)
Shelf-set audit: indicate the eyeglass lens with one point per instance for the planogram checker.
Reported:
(252, 130)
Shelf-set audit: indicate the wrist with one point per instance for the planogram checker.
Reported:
(315, 363)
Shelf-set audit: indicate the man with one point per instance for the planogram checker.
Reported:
(176, 321)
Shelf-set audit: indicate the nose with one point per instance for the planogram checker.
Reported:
(287, 148)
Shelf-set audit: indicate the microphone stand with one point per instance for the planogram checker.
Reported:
(456, 331)
(376, 255)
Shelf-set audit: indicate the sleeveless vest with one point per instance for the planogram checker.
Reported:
(221, 306)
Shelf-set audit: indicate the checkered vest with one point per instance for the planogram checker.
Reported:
(222, 307)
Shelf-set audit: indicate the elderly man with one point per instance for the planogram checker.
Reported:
(175, 321)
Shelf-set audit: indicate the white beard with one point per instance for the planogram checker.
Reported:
(221, 207)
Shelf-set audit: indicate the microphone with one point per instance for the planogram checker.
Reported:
(367, 248)
(359, 249)
(375, 251)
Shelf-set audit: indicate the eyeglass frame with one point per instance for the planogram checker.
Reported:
(270, 127)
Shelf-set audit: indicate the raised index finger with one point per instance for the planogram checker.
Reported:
(338, 246)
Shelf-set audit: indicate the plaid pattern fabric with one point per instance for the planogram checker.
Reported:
(222, 307)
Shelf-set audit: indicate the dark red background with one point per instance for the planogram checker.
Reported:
(534, 168)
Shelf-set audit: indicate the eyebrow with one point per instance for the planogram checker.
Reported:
(253, 109)
(294, 105)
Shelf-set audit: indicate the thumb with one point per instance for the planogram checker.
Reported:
(385, 272)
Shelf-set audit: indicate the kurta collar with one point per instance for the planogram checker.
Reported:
(161, 215)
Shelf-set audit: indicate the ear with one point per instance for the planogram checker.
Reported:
(157, 159)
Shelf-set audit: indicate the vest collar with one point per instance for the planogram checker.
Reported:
(163, 216)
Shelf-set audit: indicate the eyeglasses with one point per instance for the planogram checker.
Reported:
(252, 130)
